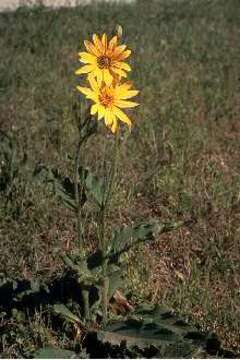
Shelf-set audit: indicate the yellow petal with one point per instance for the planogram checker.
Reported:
(126, 104)
(84, 70)
(114, 127)
(119, 72)
(101, 111)
(124, 55)
(125, 86)
(94, 109)
(108, 118)
(126, 94)
(99, 75)
(123, 65)
(107, 77)
(122, 116)
(93, 82)
(112, 43)
(98, 43)
(104, 42)
(91, 48)
(87, 58)
(118, 50)
(88, 92)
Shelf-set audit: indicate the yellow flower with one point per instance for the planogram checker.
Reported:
(104, 60)
(108, 101)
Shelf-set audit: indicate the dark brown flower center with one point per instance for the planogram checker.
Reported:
(104, 62)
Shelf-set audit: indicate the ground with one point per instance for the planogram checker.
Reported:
(181, 161)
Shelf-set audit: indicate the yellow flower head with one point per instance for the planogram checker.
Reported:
(104, 60)
(108, 101)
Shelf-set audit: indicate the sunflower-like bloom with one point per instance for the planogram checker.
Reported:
(108, 101)
(104, 60)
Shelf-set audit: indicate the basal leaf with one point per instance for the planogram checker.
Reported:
(54, 353)
(136, 333)
(155, 326)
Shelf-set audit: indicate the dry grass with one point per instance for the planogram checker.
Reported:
(181, 161)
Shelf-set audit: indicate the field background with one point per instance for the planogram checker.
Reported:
(6, 5)
(181, 161)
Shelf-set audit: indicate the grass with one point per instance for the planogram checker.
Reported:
(181, 161)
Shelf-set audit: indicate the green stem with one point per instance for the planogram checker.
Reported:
(78, 185)
(105, 300)
(103, 242)
(112, 171)
(85, 295)
(77, 198)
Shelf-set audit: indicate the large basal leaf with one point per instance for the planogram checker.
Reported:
(158, 327)
(127, 237)
(164, 318)
(54, 353)
(136, 333)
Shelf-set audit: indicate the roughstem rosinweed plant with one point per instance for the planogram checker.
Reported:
(105, 68)
(100, 273)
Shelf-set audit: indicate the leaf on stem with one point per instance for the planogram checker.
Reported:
(62, 186)
(124, 239)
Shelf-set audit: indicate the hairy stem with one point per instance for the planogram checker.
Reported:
(78, 186)
(103, 241)
(85, 296)
(78, 194)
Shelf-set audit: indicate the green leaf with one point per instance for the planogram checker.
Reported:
(165, 319)
(136, 333)
(64, 189)
(158, 327)
(122, 237)
(96, 189)
(62, 186)
(66, 314)
(86, 275)
(54, 353)
(125, 238)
